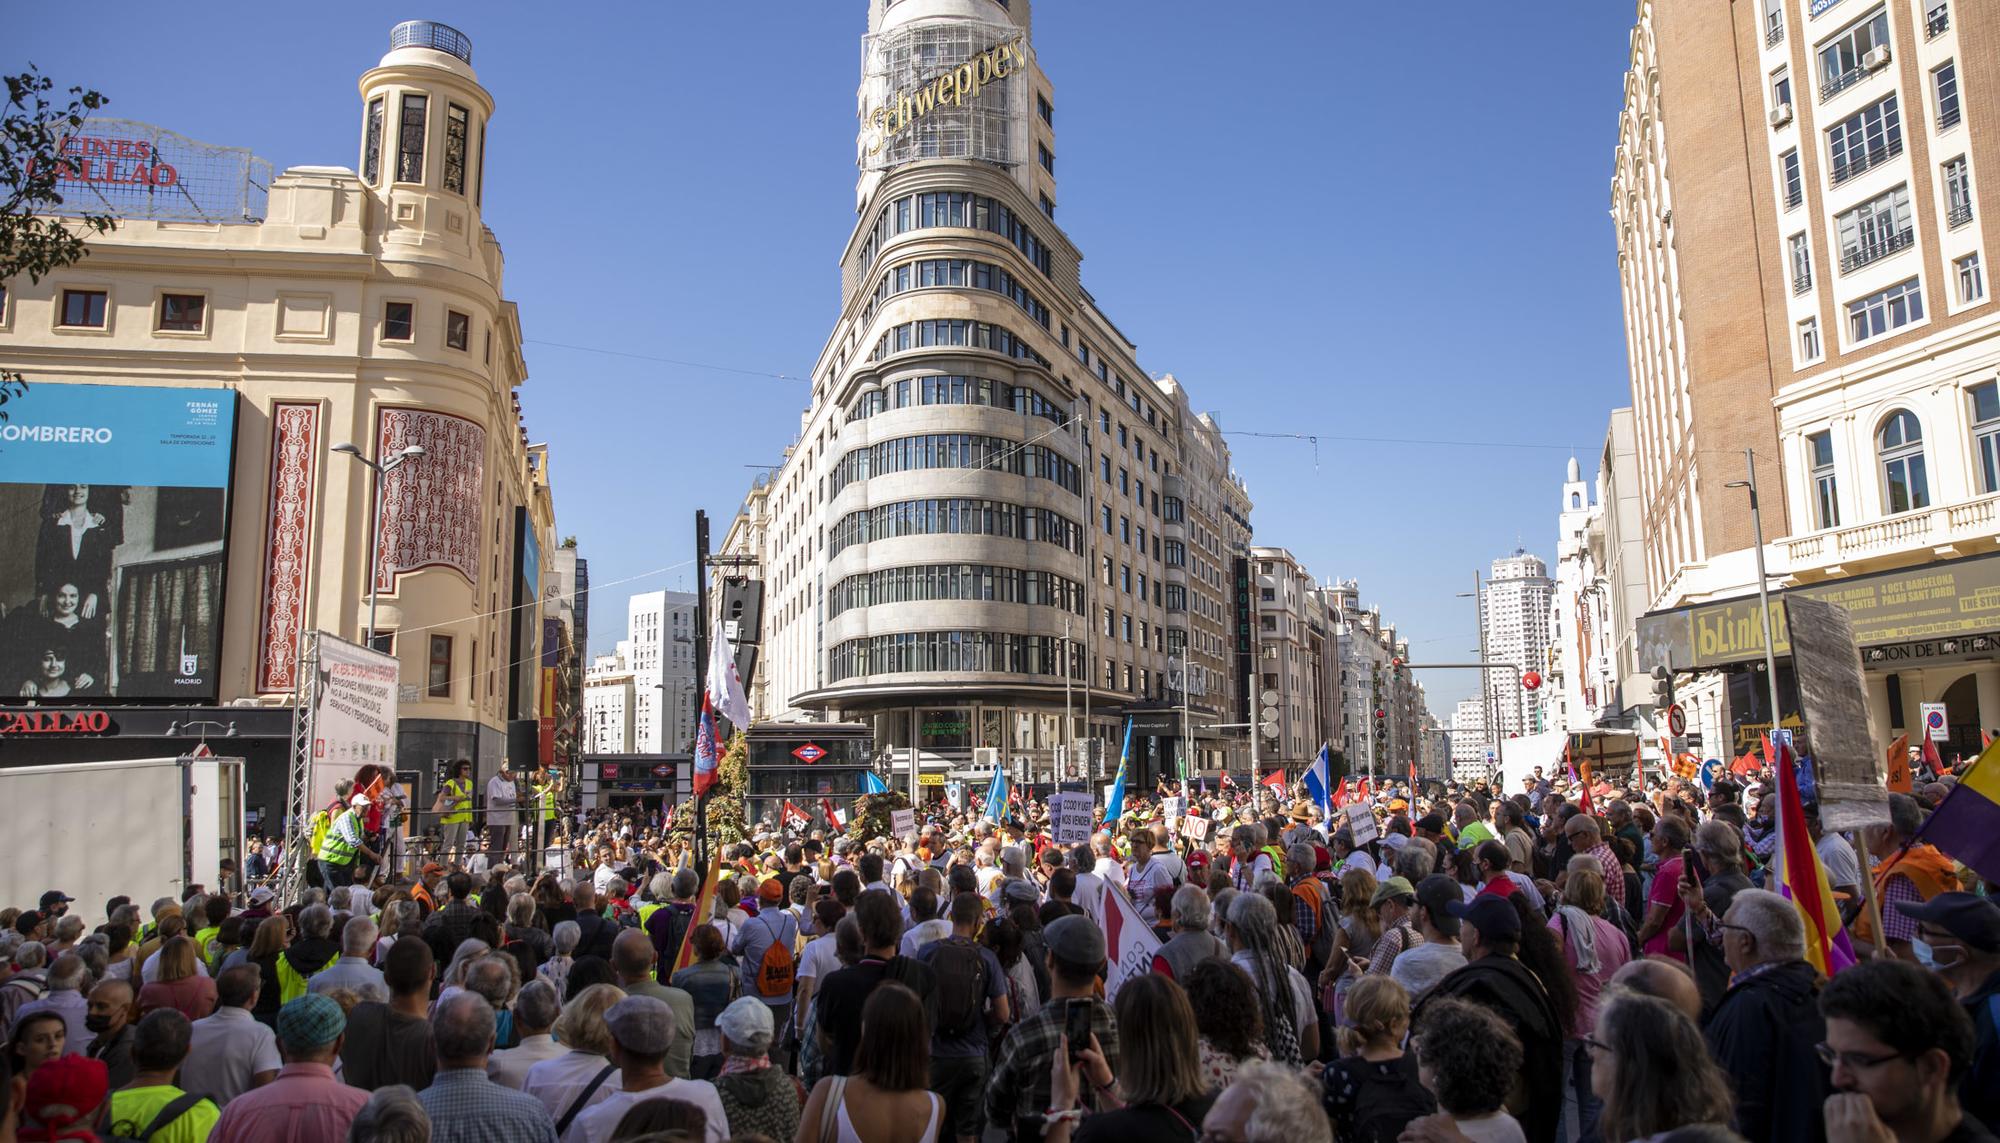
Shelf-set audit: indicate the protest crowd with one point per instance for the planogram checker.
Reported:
(1570, 960)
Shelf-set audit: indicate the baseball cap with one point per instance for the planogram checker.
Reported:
(1436, 894)
(1493, 916)
(54, 897)
(65, 1090)
(643, 1024)
(744, 1020)
(1431, 823)
(1393, 887)
(310, 1023)
(771, 889)
(1396, 841)
(26, 922)
(358, 800)
(1022, 891)
(1075, 939)
(261, 894)
(431, 867)
(1974, 920)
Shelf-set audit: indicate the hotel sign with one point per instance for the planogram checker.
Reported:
(1948, 601)
(955, 87)
(1819, 6)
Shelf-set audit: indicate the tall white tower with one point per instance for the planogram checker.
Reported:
(1514, 609)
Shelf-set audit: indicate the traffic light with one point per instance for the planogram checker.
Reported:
(1663, 688)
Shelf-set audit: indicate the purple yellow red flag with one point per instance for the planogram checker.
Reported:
(1798, 875)
(1966, 825)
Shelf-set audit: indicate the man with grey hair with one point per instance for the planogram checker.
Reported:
(1268, 1103)
(1720, 848)
(1765, 1029)
(68, 980)
(1192, 942)
(632, 962)
(392, 1115)
(1416, 860)
(352, 971)
(464, 1104)
(535, 1012)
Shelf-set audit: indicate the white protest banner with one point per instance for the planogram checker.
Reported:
(353, 713)
(1194, 828)
(1129, 943)
(1071, 816)
(1361, 822)
(903, 823)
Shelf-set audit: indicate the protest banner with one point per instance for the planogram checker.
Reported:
(1361, 822)
(903, 822)
(1070, 817)
(1833, 700)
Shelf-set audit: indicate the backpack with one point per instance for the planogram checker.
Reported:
(777, 970)
(961, 986)
(181, 1105)
(1382, 1105)
(1327, 927)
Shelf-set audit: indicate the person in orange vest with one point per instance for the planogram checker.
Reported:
(1905, 870)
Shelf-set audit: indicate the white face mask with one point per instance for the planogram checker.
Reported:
(1926, 955)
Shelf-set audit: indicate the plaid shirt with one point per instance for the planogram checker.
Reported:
(467, 1107)
(1019, 1088)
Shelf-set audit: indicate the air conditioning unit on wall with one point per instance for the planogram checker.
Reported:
(985, 757)
(1781, 115)
(1877, 58)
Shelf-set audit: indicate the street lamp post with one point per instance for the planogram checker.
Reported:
(1763, 585)
(380, 468)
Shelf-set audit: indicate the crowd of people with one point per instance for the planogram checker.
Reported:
(1552, 965)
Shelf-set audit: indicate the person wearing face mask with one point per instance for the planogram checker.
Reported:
(1898, 1045)
(1958, 936)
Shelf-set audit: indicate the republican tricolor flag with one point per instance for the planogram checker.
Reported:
(1966, 824)
(1798, 875)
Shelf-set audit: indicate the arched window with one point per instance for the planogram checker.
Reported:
(1901, 444)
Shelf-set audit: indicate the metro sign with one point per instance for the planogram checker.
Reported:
(808, 753)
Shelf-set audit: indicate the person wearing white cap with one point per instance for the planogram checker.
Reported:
(642, 1030)
(342, 843)
(758, 1098)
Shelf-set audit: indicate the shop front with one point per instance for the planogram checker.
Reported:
(805, 763)
(649, 782)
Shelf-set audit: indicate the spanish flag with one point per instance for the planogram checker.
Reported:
(704, 909)
(1799, 876)
(1966, 825)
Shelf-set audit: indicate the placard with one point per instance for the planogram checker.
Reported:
(1361, 823)
(1071, 817)
(1194, 828)
(1935, 720)
(903, 822)
(1833, 699)
(1171, 808)
(354, 713)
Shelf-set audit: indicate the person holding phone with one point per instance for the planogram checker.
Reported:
(1019, 1092)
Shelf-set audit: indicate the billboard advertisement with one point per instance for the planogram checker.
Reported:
(114, 504)
(353, 712)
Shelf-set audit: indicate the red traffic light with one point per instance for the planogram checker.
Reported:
(1379, 713)
(1532, 680)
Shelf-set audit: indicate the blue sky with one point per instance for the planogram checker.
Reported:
(1373, 221)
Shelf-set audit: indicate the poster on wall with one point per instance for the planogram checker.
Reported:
(354, 712)
(114, 503)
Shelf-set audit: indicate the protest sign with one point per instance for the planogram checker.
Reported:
(903, 822)
(1194, 828)
(1833, 700)
(1071, 817)
(1361, 822)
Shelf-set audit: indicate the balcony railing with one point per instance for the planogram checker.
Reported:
(1877, 250)
(1948, 118)
(1959, 214)
(1929, 528)
(1774, 29)
(1794, 197)
(433, 35)
(1938, 22)
(1834, 85)
(1847, 167)
(1801, 282)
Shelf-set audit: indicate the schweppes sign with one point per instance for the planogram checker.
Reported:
(954, 88)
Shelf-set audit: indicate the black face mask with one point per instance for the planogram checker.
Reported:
(97, 1024)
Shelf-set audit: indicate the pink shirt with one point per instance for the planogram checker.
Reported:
(1608, 942)
(1666, 891)
(305, 1104)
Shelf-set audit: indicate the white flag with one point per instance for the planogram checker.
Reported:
(725, 687)
(1129, 943)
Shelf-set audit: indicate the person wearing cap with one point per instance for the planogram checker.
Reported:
(1958, 937)
(64, 1099)
(1494, 978)
(463, 1102)
(343, 844)
(757, 1097)
(1395, 899)
(54, 904)
(261, 899)
(642, 1030)
(305, 1104)
(1418, 968)
(764, 947)
(1017, 1094)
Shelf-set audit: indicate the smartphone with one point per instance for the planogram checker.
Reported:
(1693, 868)
(1076, 1026)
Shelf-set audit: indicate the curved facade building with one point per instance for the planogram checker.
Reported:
(975, 534)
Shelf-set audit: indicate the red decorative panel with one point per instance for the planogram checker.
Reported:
(287, 543)
(431, 506)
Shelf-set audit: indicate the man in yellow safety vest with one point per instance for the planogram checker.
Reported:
(342, 842)
(454, 802)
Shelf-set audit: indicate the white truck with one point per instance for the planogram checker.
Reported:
(144, 829)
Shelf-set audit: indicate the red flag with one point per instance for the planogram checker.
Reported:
(794, 814)
(1746, 764)
(1275, 779)
(1413, 777)
(832, 813)
(1931, 758)
(1361, 790)
(704, 905)
(1227, 782)
(1340, 794)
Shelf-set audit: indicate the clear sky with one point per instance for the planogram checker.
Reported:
(1381, 221)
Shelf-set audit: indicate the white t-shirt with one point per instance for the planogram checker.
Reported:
(1302, 997)
(1111, 869)
(597, 1124)
(1838, 857)
(601, 878)
(1498, 1127)
(819, 959)
(1142, 882)
(920, 935)
(1089, 895)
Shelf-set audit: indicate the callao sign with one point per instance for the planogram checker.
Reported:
(101, 159)
(55, 722)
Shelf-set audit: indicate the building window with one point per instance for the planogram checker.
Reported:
(1867, 138)
(410, 140)
(1043, 109)
(1801, 250)
(1795, 187)
(457, 122)
(1986, 434)
(1107, 520)
(1937, 19)
(1901, 444)
(1957, 192)
(1781, 87)
(84, 309)
(1809, 347)
(1048, 206)
(182, 313)
(439, 677)
(479, 170)
(1826, 503)
(1841, 59)
(457, 329)
(1971, 282)
(371, 146)
(1047, 159)
(1875, 229)
(1944, 81)
(399, 321)
(1878, 313)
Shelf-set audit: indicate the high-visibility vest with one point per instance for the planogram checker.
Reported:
(549, 800)
(458, 792)
(335, 849)
(647, 910)
(317, 828)
(291, 982)
(1277, 857)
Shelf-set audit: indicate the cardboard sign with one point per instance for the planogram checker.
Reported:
(1173, 807)
(1832, 697)
(1361, 823)
(1071, 816)
(903, 822)
(1194, 828)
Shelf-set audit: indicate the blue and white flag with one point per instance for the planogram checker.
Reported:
(996, 795)
(1319, 783)
(1114, 803)
(872, 783)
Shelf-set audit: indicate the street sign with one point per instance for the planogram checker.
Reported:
(1934, 721)
(1677, 721)
(808, 753)
(1678, 744)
